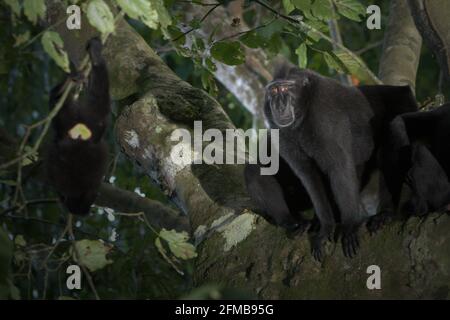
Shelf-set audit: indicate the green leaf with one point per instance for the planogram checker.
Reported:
(350, 9)
(288, 6)
(317, 25)
(34, 9)
(175, 33)
(140, 10)
(22, 38)
(195, 23)
(151, 12)
(322, 9)
(228, 52)
(14, 5)
(303, 5)
(211, 66)
(302, 55)
(100, 16)
(253, 40)
(54, 46)
(163, 16)
(209, 83)
(19, 240)
(178, 244)
(32, 158)
(164, 254)
(91, 254)
(333, 63)
(355, 66)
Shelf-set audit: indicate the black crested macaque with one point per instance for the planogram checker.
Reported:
(423, 138)
(387, 102)
(77, 157)
(326, 138)
(332, 138)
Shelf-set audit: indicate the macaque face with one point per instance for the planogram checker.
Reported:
(281, 98)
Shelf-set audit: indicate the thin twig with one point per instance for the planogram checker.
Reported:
(369, 47)
(26, 44)
(246, 31)
(33, 219)
(26, 204)
(63, 234)
(201, 20)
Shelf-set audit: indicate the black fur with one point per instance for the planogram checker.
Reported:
(76, 167)
(387, 102)
(336, 141)
(326, 145)
(281, 197)
(423, 139)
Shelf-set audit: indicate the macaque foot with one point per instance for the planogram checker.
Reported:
(297, 229)
(317, 248)
(287, 221)
(378, 221)
(416, 207)
(350, 243)
(318, 239)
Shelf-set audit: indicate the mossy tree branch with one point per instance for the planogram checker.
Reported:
(401, 48)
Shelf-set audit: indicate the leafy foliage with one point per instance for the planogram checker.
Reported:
(91, 254)
(178, 244)
(100, 16)
(302, 55)
(53, 45)
(350, 9)
(228, 52)
(33, 9)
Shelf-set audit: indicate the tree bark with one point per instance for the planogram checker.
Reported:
(158, 214)
(401, 48)
(431, 18)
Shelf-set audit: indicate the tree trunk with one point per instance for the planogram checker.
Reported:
(401, 48)
(431, 18)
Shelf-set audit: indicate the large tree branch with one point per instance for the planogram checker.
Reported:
(431, 18)
(158, 214)
(401, 48)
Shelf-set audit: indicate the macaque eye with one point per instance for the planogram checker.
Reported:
(283, 89)
(274, 90)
